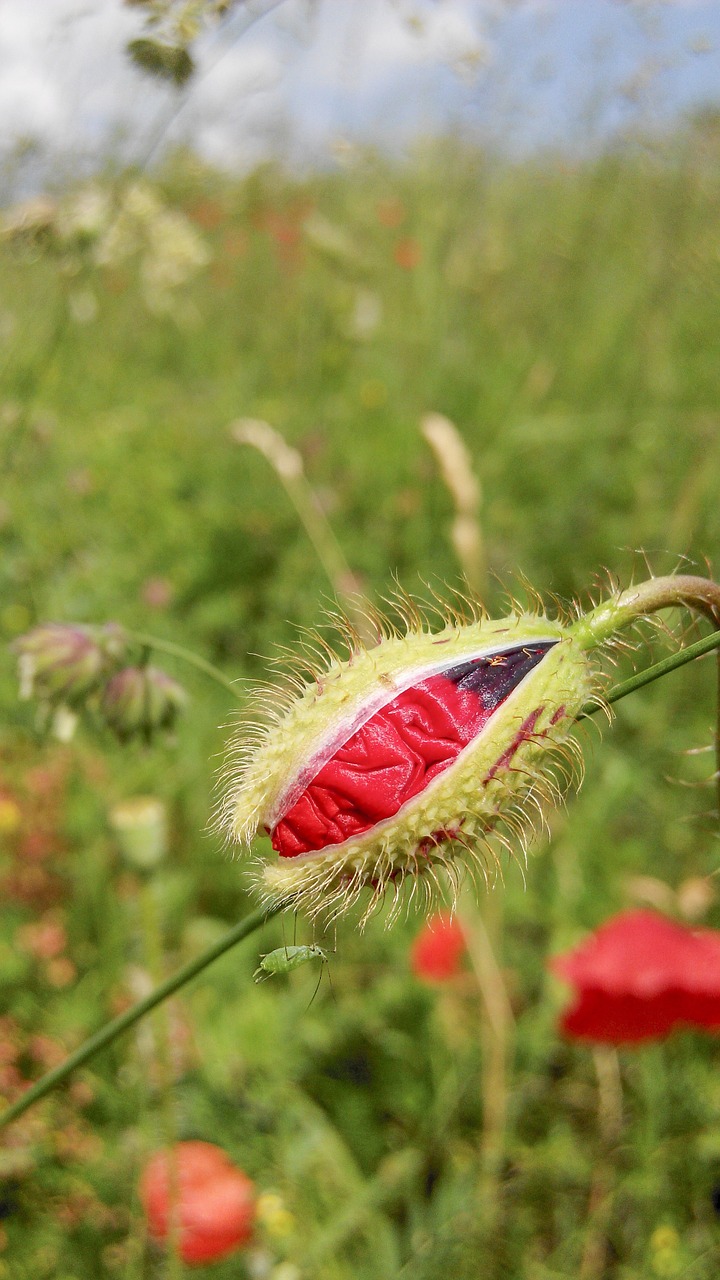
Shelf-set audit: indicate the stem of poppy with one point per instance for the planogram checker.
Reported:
(691, 651)
(124, 1021)
(663, 668)
(152, 929)
(189, 656)
(675, 591)
(607, 1068)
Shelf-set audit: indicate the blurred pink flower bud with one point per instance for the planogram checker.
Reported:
(140, 701)
(60, 662)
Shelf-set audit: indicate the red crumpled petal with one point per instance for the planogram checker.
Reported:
(399, 750)
(638, 977)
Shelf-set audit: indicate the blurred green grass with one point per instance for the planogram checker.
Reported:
(565, 315)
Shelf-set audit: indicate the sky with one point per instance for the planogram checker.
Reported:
(310, 80)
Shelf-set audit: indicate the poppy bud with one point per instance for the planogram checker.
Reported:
(140, 701)
(438, 949)
(216, 1200)
(63, 663)
(396, 760)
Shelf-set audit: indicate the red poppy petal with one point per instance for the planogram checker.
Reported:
(638, 977)
(400, 749)
(642, 953)
(216, 1209)
(613, 1019)
(217, 1218)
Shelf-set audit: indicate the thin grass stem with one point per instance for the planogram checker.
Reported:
(105, 1036)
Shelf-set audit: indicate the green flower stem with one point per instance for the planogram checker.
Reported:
(675, 660)
(124, 1021)
(672, 663)
(153, 937)
(189, 656)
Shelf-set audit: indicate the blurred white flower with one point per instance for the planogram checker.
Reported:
(84, 215)
(366, 314)
(83, 306)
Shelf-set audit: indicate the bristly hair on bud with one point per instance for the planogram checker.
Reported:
(400, 761)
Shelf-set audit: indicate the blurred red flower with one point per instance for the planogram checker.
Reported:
(408, 254)
(438, 949)
(638, 977)
(217, 1200)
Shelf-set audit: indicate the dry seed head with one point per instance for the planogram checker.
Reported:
(397, 762)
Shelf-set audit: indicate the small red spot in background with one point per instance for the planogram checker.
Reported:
(157, 593)
(217, 1200)
(408, 254)
(438, 949)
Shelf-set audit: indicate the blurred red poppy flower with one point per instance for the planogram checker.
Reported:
(217, 1200)
(438, 949)
(638, 977)
(408, 254)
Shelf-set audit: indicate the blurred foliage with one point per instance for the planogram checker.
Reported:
(565, 315)
(173, 26)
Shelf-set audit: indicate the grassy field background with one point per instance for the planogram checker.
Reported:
(565, 314)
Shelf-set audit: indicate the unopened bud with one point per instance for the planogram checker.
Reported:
(64, 663)
(141, 701)
(403, 758)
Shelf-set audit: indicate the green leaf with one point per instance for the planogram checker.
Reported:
(169, 62)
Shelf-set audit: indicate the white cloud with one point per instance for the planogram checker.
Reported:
(347, 67)
(439, 34)
(30, 107)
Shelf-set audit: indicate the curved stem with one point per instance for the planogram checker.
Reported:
(671, 592)
(186, 655)
(124, 1021)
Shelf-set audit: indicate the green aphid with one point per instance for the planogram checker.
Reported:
(286, 958)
